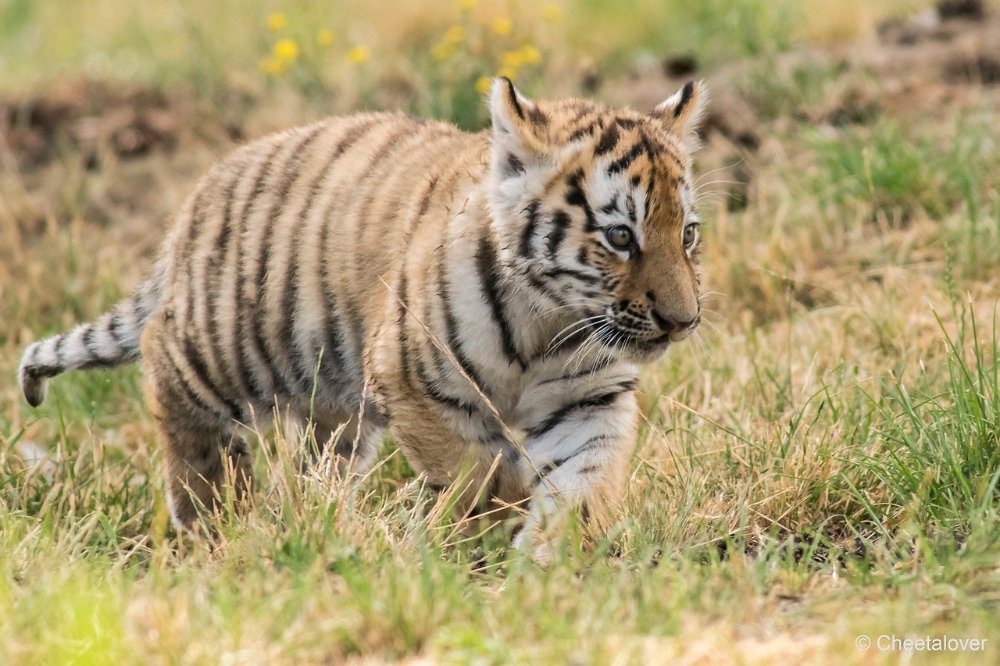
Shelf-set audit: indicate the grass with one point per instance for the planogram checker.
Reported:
(821, 462)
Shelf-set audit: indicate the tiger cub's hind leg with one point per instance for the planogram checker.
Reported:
(206, 461)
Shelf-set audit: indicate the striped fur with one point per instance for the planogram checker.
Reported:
(486, 297)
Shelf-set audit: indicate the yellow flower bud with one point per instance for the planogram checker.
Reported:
(442, 51)
(530, 55)
(358, 55)
(272, 66)
(502, 26)
(285, 50)
(325, 38)
(454, 35)
(276, 21)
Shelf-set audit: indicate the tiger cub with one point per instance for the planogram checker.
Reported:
(487, 298)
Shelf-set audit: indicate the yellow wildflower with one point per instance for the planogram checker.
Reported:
(530, 55)
(551, 12)
(511, 59)
(501, 26)
(466, 5)
(273, 66)
(509, 72)
(526, 55)
(325, 38)
(276, 21)
(358, 55)
(454, 35)
(442, 51)
(445, 48)
(483, 84)
(285, 50)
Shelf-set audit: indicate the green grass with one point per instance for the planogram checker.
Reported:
(821, 461)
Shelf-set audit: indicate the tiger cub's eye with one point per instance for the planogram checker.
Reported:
(620, 237)
(690, 235)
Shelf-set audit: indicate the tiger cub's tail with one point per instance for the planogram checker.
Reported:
(110, 340)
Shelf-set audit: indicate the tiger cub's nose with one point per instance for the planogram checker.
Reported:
(670, 324)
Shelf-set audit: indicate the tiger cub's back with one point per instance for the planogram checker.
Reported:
(279, 262)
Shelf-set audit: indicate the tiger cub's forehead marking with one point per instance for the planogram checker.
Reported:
(632, 169)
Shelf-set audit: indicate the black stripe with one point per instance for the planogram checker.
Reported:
(573, 273)
(586, 130)
(623, 162)
(686, 93)
(201, 202)
(514, 166)
(662, 149)
(88, 340)
(401, 337)
(241, 371)
(114, 323)
(512, 97)
(274, 214)
(208, 289)
(435, 394)
(57, 350)
(555, 464)
(566, 378)
(297, 356)
(197, 364)
(526, 250)
(217, 256)
(393, 167)
(537, 115)
(367, 187)
(487, 266)
(334, 362)
(334, 323)
(534, 281)
(329, 352)
(195, 399)
(609, 139)
(357, 323)
(611, 206)
(560, 222)
(143, 304)
(630, 207)
(454, 339)
(626, 123)
(575, 196)
(558, 416)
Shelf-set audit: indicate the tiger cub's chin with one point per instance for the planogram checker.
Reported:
(379, 273)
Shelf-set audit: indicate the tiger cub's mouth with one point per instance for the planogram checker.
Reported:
(644, 345)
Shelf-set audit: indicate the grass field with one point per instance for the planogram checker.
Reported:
(821, 463)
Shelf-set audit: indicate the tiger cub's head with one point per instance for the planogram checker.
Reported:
(594, 209)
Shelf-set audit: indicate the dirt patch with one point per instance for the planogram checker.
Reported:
(86, 117)
(982, 69)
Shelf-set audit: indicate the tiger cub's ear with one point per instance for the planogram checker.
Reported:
(520, 129)
(680, 114)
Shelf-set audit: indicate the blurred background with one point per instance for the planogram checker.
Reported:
(429, 57)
